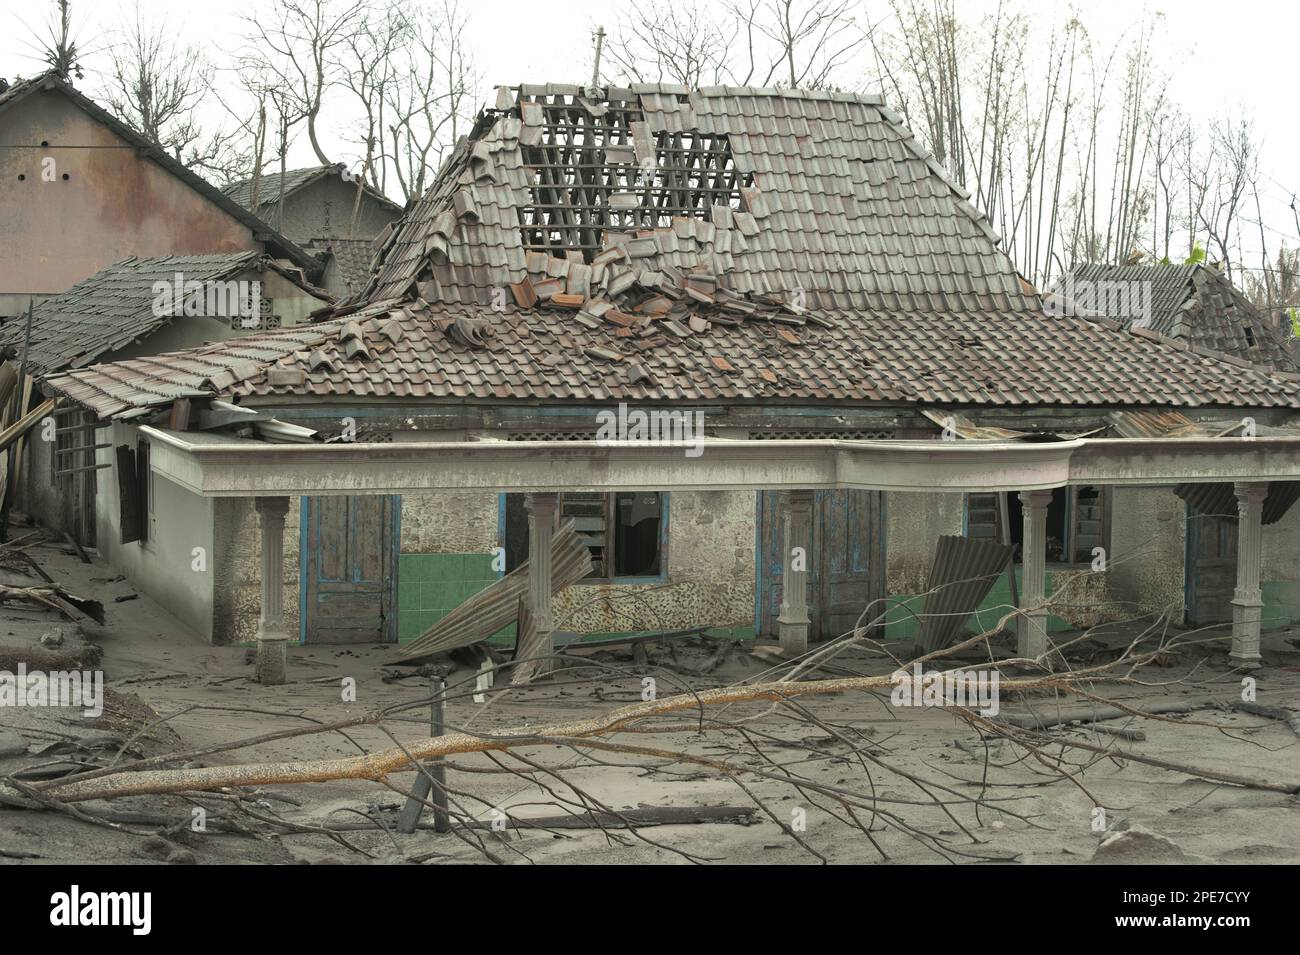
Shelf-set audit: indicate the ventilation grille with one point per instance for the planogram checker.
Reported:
(553, 436)
(856, 434)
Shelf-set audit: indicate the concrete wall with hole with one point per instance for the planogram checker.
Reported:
(103, 202)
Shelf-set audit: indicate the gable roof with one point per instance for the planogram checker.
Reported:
(1195, 304)
(117, 306)
(720, 244)
(50, 81)
(268, 193)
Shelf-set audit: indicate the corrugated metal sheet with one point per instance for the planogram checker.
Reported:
(1154, 424)
(961, 576)
(497, 605)
(1221, 501)
(967, 428)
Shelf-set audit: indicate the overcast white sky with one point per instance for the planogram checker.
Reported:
(1223, 55)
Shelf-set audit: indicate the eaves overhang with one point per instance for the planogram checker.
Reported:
(217, 466)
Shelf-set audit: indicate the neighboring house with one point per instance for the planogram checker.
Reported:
(322, 208)
(81, 190)
(794, 268)
(1195, 304)
(137, 306)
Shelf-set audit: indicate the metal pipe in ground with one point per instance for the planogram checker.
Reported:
(425, 789)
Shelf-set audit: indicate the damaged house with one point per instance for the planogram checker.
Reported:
(1194, 304)
(137, 306)
(890, 413)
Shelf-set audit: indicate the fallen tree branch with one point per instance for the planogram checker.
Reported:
(1279, 713)
(643, 816)
(378, 765)
(1097, 714)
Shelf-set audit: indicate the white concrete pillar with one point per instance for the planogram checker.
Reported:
(793, 620)
(272, 637)
(1032, 624)
(541, 529)
(1247, 599)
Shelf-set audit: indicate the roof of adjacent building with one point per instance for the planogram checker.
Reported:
(352, 256)
(268, 190)
(121, 305)
(1196, 304)
(717, 244)
(263, 232)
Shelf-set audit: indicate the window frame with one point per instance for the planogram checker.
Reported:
(1071, 520)
(609, 506)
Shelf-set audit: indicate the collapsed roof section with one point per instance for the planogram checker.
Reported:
(818, 196)
(1196, 304)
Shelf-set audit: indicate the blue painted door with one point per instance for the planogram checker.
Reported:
(846, 560)
(1211, 573)
(349, 568)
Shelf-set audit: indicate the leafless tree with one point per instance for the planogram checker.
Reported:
(157, 85)
(299, 42)
(1235, 170)
(431, 96)
(369, 72)
(681, 43)
(806, 44)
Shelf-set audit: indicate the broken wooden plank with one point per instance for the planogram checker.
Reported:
(24, 424)
(1278, 713)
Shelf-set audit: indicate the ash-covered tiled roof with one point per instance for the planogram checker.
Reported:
(352, 256)
(822, 195)
(268, 190)
(1195, 304)
(394, 351)
(660, 244)
(115, 307)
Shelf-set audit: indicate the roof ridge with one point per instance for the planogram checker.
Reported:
(908, 137)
